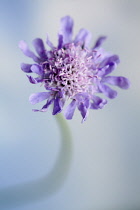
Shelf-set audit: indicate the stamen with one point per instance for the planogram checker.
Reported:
(69, 70)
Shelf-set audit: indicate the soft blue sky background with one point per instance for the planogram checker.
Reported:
(105, 161)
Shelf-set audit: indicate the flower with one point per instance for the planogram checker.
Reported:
(72, 71)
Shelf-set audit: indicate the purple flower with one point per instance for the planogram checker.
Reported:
(72, 71)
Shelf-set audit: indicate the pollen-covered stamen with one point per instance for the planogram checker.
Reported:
(69, 70)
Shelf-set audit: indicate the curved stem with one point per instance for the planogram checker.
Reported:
(47, 185)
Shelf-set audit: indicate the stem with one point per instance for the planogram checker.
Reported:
(47, 185)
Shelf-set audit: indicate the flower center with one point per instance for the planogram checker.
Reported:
(69, 70)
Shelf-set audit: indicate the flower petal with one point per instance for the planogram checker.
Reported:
(110, 68)
(107, 91)
(109, 61)
(84, 111)
(83, 36)
(83, 104)
(38, 97)
(37, 69)
(99, 41)
(49, 43)
(81, 97)
(57, 107)
(45, 107)
(26, 67)
(32, 80)
(39, 47)
(98, 103)
(106, 70)
(121, 82)
(66, 27)
(60, 41)
(24, 47)
(69, 112)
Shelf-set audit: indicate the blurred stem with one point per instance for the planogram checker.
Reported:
(64, 128)
(43, 187)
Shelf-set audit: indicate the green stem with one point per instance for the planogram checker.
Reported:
(47, 185)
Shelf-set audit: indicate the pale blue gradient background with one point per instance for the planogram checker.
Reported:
(105, 166)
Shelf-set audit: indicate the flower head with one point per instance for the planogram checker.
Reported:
(72, 71)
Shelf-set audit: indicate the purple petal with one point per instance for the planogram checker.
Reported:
(38, 97)
(49, 43)
(83, 104)
(60, 41)
(58, 103)
(45, 107)
(39, 47)
(109, 61)
(32, 80)
(57, 107)
(98, 103)
(106, 70)
(83, 36)
(109, 69)
(121, 82)
(99, 41)
(35, 110)
(107, 91)
(69, 112)
(86, 102)
(37, 69)
(39, 79)
(24, 47)
(66, 27)
(26, 67)
(83, 110)
(81, 97)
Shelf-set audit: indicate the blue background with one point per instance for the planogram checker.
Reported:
(103, 159)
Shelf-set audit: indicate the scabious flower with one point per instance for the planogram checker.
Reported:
(72, 71)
